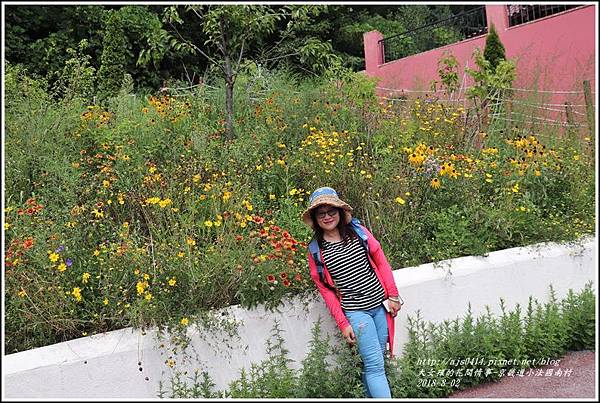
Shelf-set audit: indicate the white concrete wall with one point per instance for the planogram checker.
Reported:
(106, 365)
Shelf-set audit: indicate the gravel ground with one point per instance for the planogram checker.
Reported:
(580, 384)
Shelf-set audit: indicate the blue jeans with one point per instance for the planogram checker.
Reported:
(370, 329)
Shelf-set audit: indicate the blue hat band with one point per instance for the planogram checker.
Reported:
(322, 192)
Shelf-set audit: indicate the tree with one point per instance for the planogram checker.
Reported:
(112, 70)
(231, 35)
(494, 49)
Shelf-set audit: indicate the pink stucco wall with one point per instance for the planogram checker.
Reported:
(555, 53)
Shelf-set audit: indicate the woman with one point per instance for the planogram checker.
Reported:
(355, 281)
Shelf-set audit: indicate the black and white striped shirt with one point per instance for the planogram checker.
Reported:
(352, 274)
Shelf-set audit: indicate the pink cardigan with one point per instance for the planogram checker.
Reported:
(383, 271)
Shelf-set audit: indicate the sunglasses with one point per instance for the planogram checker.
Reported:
(330, 213)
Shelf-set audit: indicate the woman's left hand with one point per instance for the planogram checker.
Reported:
(394, 308)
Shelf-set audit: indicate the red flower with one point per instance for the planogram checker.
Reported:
(30, 211)
(27, 243)
(258, 220)
(286, 283)
(283, 275)
(298, 277)
(286, 234)
(275, 228)
(271, 278)
(262, 233)
(239, 238)
(30, 202)
(226, 214)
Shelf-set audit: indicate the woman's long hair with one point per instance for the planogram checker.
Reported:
(346, 231)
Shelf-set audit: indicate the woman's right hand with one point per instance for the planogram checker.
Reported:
(348, 334)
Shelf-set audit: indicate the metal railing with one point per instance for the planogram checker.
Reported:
(462, 26)
(521, 13)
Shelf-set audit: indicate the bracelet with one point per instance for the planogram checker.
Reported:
(394, 299)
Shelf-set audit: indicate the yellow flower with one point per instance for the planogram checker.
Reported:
(152, 170)
(416, 159)
(208, 223)
(22, 293)
(172, 282)
(515, 188)
(190, 242)
(62, 267)
(85, 277)
(105, 301)
(435, 183)
(400, 200)
(226, 196)
(96, 252)
(146, 276)
(164, 203)
(141, 286)
(76, 293)
(98, 214)
(185, 321)
(148, 297)
(105, 183)
(53, 257)
(6, 226)
(271, 197)
(181, 254)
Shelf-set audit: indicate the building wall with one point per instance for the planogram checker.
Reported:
(106, 365)
(555, 53)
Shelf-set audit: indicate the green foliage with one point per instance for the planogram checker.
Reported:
(494, 49)
(448, 73)
(112, 69)
(437, 359)
(78, 77)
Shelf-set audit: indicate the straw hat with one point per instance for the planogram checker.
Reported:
(328, 196)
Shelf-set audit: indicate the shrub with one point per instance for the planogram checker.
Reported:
(436, 360)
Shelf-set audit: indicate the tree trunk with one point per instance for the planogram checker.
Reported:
(229, 82)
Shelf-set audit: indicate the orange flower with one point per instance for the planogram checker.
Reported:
(27, 243)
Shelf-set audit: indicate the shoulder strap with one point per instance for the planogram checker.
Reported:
(315, 251)
(362, 236)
